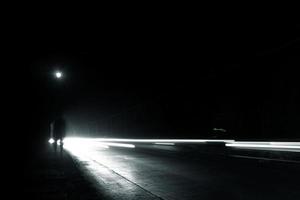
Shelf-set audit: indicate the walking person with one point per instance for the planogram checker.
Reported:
(59, 133)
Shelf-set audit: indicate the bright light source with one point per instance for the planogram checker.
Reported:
(58, 74)
(58, 142)
(82, 144)
(51, 141)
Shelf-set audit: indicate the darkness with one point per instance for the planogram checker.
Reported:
(172, 78)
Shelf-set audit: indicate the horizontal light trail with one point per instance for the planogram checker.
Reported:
(285, 143)
(129, 143)
(249, 142)
(95, 143)
(263, 146)
(77, 143)
(154, 140)
(264, 142)
(118, 144)
(164, 143)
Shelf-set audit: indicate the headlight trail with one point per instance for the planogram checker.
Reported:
(264, 146)
(83, 145)
(154, 140)
(164, 143)
(117, 144)
(78, 142)
(249, 142)
(286, 143)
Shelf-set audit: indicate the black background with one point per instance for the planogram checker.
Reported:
(241, 74)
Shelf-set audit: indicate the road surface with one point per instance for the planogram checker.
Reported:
(160, 172)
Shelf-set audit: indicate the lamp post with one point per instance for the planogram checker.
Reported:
(58, 100)
(59, 97)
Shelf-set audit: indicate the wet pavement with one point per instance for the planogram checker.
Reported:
(148, 173)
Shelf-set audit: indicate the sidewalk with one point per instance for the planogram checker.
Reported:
(52, 176)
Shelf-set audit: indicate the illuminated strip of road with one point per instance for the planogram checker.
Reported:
(262, 158)
(100, 167)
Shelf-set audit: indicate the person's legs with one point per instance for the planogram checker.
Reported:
(61, 145)
(55, 145)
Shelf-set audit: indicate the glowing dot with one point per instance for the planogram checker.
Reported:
(51, 141)
(58, 74)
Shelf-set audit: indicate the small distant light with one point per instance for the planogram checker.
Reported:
(58, 142)
(219, 129)
(58, 74)
(51, 141)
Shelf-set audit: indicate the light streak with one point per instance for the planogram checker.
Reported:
(268, 146)
(165, 143)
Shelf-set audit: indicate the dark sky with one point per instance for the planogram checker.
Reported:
(224, 67)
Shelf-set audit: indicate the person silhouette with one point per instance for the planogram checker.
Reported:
(59, 133)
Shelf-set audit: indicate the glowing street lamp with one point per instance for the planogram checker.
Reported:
(58, 75)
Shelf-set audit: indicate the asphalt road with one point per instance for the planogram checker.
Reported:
(158, 172)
